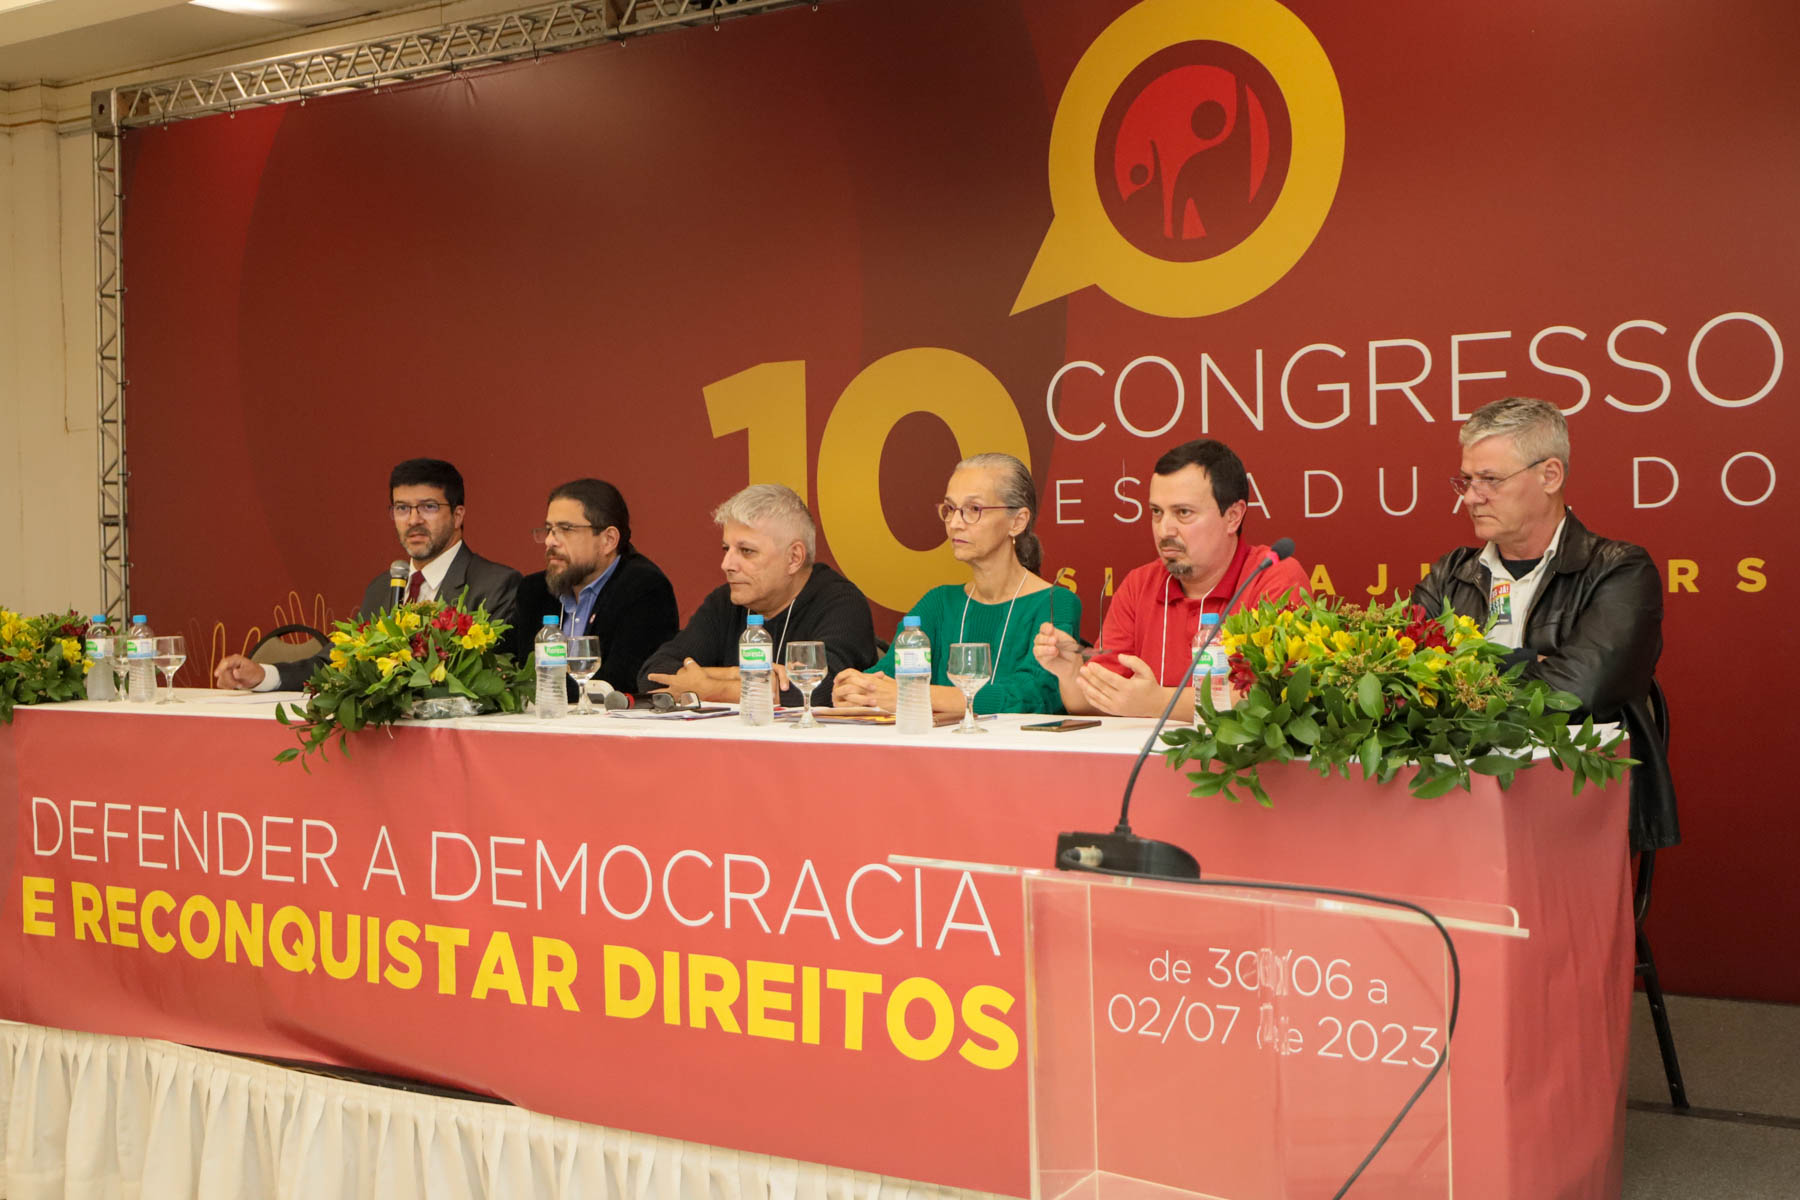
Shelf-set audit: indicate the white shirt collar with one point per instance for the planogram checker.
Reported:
(437, 568)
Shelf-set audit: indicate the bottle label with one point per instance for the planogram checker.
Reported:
(914, 660)
(753, 658)
(553, 653)
(98, 648)
(140, 647)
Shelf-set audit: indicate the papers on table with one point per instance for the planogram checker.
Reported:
(865, 716)
(676, 714)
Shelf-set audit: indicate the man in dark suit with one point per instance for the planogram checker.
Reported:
(425, 498)
(596, 582)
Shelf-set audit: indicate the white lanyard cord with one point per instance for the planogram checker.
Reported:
(962, 628)
(1162, 658)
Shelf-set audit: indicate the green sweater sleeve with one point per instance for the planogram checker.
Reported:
(1020, 683)
(929, 609)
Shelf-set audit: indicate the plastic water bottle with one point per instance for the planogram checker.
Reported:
(140, 653)
(552, 654)
(1213, 673)
(98, 648)
(756, 674)
(912, 678)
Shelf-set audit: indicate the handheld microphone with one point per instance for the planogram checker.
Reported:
(1121, 850)
(398, 572)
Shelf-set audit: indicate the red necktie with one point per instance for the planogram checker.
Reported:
(412, 589)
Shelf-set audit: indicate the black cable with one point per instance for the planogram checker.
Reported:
(1070, 860)
(1279, 551)
(1124, 825)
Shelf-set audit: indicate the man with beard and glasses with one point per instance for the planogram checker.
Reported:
(1198, 498)
(597, 583)
(425, 499)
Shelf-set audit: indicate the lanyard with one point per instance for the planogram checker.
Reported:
(1004, 625)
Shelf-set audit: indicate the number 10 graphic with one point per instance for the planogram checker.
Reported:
(769, 402)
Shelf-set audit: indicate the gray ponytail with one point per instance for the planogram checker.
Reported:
(1016, 491)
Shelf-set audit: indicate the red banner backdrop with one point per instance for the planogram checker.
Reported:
(833, 248)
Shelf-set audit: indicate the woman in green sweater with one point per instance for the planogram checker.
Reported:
(989, 509)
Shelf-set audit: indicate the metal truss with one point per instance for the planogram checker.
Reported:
(464, 45)
(482, 41)
(109, 357)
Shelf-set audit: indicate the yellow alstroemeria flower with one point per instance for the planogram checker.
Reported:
(1427, 697)
(438, 673)
(1232, 642)
(1262, 637)
(1294, 646)
(404, 654)
(339, 659)
(409, 621)
(71, 650)
(479, 637)
(1407, 646)
(1345, 642)
(1437, 662)
(387, 665)
(339, 637)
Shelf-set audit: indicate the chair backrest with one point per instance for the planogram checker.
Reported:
(1659, 712)
(1640, 892)
(272, 649)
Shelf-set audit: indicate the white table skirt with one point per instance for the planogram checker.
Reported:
(87, 1116)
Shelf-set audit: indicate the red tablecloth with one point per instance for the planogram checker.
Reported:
(695, 933)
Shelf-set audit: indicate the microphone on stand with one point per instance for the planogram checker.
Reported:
(398, 572)
(1121, 850)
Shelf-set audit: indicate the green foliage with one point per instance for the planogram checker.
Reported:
(1381, 688)
(42, 660)
(379, 668)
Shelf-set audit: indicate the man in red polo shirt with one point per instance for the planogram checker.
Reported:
(1198, 497)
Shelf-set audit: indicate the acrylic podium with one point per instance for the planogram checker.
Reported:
(1236, 1042)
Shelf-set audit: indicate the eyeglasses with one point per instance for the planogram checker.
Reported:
(1485, 485)
(562, 529)
(427, 509)
(971, 513)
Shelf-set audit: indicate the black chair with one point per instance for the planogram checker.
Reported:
(1646, 962)
(272, 649)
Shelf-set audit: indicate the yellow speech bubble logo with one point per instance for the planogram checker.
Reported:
(1085, 244)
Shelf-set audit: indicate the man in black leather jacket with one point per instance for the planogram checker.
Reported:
(1582, 612)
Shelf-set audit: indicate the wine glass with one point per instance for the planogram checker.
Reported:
(970, 666)
(120, 665)
(584, 662)
(806, 671)
(171, 652)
